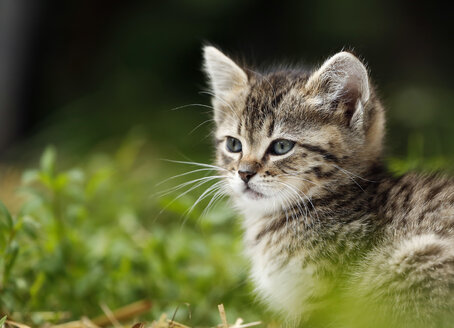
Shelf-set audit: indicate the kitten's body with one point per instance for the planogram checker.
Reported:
(394, 236)
(325, 216)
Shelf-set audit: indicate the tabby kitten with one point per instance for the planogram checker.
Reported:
(300, 153)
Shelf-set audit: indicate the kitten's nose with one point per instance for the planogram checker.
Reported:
(246, 175)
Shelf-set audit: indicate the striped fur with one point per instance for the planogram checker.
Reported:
(326, 215)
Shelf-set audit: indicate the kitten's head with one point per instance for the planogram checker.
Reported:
(291, 134)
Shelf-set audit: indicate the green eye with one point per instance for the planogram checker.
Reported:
(281, 147)
(234, 145)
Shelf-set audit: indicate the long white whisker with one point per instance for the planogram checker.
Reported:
(295, 176)
(217, 196)
(348, 175)
(191, 105)
(183, 174)
(288, 206)
(204, 179)
(301, 210)
(199, 184)
(199, 125)
(351, 173)
(204, 195)
(284, 196)
(308, 198)
(194, 163)
(299, 196)
(185, 193)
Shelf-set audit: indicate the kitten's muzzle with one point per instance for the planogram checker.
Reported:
(246, 175)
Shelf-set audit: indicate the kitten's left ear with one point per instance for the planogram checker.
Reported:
(223, 73)
(341, 82)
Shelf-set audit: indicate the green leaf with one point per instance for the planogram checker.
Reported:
(11, 258)
(4, 213)
(2, 321)
(48, 160)
(37, 284)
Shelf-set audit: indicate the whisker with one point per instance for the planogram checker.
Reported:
(182, 185)
(183, 174)
(212, 94)
(191, 105)
(194, 163)
(286, 203)
(297, 193)
(296, 176)
(349, 176)
(184, 193)
(295, 216)
(353, 174)
(217, 196)
(205, 194)
(266, 80)
(308, 198)
(199, 125)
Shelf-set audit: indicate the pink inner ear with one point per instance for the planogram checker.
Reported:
(345, 79)
(345, 82)
(350, 96)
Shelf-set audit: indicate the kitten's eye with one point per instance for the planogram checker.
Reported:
(234, 145)
(281, 147)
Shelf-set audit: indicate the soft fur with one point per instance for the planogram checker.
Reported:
(326, 216)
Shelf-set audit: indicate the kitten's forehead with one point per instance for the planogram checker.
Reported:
(263, 111)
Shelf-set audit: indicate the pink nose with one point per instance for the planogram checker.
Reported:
(246, 175)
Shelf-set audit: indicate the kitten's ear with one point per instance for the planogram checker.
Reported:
(341, 82)
(223, 73)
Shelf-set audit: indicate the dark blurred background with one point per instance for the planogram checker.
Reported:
(75, 73)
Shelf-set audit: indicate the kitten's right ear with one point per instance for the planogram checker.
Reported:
(223, 73)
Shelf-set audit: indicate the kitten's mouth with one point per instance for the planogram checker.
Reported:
(252, 193)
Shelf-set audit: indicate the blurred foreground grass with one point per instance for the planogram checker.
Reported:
(93, 231)
(97, 233)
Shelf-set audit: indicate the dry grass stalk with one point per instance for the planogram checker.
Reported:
(139, 325)
(250, 324)
(173, 323)
(113, 318)
(124, 313)
(84, 322)
(16, 324)
(88, 323)
(223, 316)
(71, 324)
(109, 314)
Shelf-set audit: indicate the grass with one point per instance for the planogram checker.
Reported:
(130, 314)
(95, 233)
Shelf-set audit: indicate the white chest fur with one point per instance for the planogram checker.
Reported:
(282, 281)
(286, 288)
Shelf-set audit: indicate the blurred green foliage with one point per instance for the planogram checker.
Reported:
(96, 234)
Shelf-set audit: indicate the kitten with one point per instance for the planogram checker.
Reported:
(325, 224)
